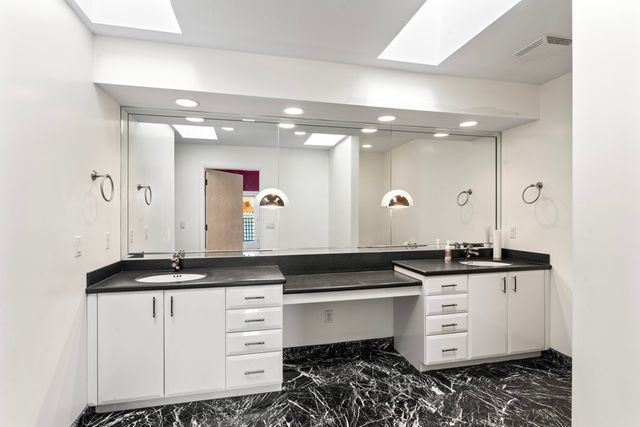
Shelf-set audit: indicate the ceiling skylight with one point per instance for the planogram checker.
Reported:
(196, 132)
(153, 15)
(441, 27)
(324, 139)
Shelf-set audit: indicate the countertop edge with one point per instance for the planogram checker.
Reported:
(475, 270)
(182, 285)
(352, 287)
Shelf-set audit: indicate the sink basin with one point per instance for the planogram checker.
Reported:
(485, 263)
(170, 278)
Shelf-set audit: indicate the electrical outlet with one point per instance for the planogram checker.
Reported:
(146, 232)
(328, 316)
(107, 241)
(77, 246)
(512, 232)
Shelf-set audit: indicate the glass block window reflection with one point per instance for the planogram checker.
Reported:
(248, 220)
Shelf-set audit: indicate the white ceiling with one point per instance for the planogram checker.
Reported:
(357, 31)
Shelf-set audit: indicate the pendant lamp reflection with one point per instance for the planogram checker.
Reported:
(272, 198)
(397, 199)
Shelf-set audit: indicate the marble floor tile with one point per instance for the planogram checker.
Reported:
(368, 384)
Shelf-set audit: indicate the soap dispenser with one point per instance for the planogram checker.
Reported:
(447, 253)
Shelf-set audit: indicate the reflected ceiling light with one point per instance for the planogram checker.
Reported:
(286, 125)
(440, 134)
(248, 120)
(468, 124)
(369, 130)
(196, 132)
(300, 132)
(272, 198)
(366, 145)
(294, 111)
(324, 139)
(184, 102)
(386, 118)
(195, 119)
(228, 128)
(397, 199)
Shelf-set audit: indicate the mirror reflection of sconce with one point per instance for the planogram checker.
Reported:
(148, 194)
(538, 186)
(105, 177)
(272, 198)
(396, 199)
(464, 196)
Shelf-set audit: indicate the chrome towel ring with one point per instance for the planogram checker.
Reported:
(468, 193)
(105, 177)
(537, 185)
(148, 194)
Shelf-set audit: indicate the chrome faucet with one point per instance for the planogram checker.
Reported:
(176, 260)
(469, 250)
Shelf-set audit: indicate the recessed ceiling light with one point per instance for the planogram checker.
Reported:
(468, 124)
(195, 119)
(248, 120)
(286, 125)
(294, 111)
(196, 132)
(440, 134)
(184, 102)
(228, 128)
(366, 145)
(386, 118)
(300, 132)
(324, 139)
(369, 130)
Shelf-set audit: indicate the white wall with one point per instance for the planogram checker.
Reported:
(343, 193)
(541, 151)
(55, 126)
(606, 212)
(434, 172)
(304, 177)
(151, 162)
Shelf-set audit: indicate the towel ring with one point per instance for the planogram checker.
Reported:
(466, 200)
(537, 185)
(148, 194)
(95, 175)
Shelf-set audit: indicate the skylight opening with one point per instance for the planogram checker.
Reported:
(152, 15)
(441, 27)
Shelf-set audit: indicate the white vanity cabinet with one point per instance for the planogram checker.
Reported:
(526, 307)
(129, 346)
(488, 315)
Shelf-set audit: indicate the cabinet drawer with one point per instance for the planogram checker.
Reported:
(445, 304)
(445, 348)
(254, 342)
(446, 324)
(254, 319)
(253, 370)
(254, 296)
(445, 285)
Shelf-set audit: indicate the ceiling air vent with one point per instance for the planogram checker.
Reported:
(543, 47)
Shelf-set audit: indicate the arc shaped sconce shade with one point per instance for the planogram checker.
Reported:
(397, 199)
(272, 198)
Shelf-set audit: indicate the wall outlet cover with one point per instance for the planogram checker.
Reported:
(328, 316)
(512, 232)
(77, 246)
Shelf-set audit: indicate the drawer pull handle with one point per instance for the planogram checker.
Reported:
(253, 320)
(259, 371)
(254, 343)
(449, 325)
(258, 297)
(449, 286)
(449, 305)
(504, 285)
(154, 307)
(447, 350)
(515, 283)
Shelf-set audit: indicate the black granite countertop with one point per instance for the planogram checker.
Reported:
(218, 277)
(303, 283)
(437, 267)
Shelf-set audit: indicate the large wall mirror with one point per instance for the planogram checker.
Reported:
(192, 184)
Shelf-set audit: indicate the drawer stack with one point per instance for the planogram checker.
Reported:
(254, 336)
(446, 319)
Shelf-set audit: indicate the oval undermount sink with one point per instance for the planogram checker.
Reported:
(485, 263)
(170, 278)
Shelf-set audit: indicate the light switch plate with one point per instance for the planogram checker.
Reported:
(107, 240)
(512, 232)
(77, 246)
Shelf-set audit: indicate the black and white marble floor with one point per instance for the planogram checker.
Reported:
(369, 384)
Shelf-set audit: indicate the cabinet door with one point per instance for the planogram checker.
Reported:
(130, 351)
(487, 315)
(526, 311)
(194, 341)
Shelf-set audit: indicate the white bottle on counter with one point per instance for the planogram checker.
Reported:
(447, 253)
(497, 245)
